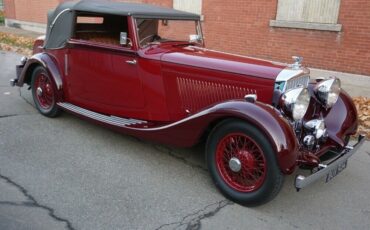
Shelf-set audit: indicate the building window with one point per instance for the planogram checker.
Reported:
(308, 14)
(192, 6)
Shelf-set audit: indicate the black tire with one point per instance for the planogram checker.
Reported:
(273, 178)
(46, 107)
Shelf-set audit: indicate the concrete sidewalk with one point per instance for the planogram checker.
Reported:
(354, 84)
(20, 32)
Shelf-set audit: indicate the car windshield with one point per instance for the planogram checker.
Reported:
(164, 30)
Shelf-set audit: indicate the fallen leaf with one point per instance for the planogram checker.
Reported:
(363, 109)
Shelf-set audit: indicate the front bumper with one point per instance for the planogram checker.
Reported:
(331, 168)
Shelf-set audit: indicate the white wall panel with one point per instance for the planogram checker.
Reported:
(192, 6)
(316, 11)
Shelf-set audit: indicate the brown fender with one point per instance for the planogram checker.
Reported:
(48, 63)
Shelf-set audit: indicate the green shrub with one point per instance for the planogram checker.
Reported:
(1, 17)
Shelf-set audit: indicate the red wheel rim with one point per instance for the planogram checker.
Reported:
(240, 162)
(44, 91)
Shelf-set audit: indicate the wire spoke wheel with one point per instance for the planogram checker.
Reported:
(43, 92)
(240, 162)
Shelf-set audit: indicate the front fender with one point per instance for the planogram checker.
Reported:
(342, 119)
(189, 131)
(48, 63)
(273, 125)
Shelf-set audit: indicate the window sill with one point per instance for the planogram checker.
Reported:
(306, 25)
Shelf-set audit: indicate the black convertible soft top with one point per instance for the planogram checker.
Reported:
(60, 20)
(134, 9)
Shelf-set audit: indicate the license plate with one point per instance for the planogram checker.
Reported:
(334, 172)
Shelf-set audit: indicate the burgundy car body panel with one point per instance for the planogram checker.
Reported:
(342, 120)
(192, 80)
(49, 63)
(188, 132)
(208, 59)
(103, 81)
(181, 91)
(38, 44)
(190, 89)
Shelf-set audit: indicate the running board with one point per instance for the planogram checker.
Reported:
(112, 120)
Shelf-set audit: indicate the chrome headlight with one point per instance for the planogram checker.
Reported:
(327, 91)
(294, 102)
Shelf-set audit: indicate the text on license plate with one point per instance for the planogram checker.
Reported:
(336, 171)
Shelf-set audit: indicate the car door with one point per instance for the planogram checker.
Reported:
(102, 74)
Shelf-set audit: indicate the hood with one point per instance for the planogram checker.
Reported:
(215, 60)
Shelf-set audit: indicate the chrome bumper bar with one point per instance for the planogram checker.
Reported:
(324, 170)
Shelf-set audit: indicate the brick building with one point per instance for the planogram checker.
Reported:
(329, 34)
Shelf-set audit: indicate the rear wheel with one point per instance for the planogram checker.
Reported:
(242, 163)
(44, 92)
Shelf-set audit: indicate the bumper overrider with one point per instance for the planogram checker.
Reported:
(331, 169)
(19, 69)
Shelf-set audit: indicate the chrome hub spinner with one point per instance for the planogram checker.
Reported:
(235, 164)
(39, 91)
(309, 141)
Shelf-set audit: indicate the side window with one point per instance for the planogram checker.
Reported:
(100, 29)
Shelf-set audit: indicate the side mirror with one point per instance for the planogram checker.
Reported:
(195, 38)
(123, 39)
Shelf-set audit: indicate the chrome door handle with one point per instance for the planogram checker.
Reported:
(132, 62)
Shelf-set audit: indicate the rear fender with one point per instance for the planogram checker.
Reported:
(48, 62)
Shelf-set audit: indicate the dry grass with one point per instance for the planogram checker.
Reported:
(15, 43)
(1, 17)
(15, 40)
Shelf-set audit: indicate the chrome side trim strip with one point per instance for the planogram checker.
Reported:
(99, 116)
(112, 120)
(238, 55)
(66, 63)
(302, 181)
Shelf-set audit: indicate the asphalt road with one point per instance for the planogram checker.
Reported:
(66, 173)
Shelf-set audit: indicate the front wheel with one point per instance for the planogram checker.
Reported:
(242, 163)
(44, 92)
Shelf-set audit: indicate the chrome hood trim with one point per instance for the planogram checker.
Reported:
(289, 73)
(291, 77)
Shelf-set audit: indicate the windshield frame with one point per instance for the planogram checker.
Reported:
(198, 30)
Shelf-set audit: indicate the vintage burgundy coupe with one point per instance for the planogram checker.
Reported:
(144, 70)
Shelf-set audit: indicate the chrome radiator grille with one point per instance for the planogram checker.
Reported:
(294, 82)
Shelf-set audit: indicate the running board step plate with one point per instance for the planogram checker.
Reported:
(112, 120)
